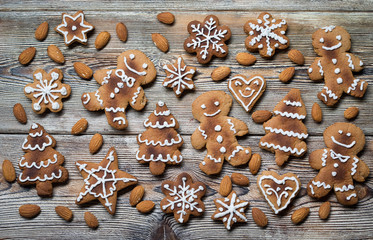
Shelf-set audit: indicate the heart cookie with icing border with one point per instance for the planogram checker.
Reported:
(247, 91)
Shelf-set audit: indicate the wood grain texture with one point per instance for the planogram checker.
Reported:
(18, 20)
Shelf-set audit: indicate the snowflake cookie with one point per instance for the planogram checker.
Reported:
(179, 76)
(183, 197)
(103, 181)
(47, 91)
(74, 28)
(207, 39)
(266, 34)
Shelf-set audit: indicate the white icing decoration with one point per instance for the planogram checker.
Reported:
(136, 95)
(163, 113)
(87, 97)
(203, 106)
(73, 28)
(337, 70)
(37, 146)
(361, 63)
(37, 134)
(342, 144)
(160, 103)
(217, 128)
(203, 132)
(323, 158)
(322, 40)
(212, 114)
(345, 188)
(290, 115)
(320, 70)
(330, 93)
(310, 70)
(233, 154)
(162, 144)
(232, 125)
(329, 28)
(219, 139)
(354, 166)
(158, 125)
(339, 80)
(282, 148)
(145, 66)
(287, 133)
(34, 126)
(98, 98)
(251, 32)
(338, 156)
(351, 196)
(334, 47)
(213, 159)
(107, 78)
(340, 131)
(292, 103)
(354, 84)
(42, 164)
(336, 165)
(65, 33)
(41, 179)
(260, 46)
(177, 78)
(334, 60)
(318, 184)
(217, 103)
(334, 174)
(114, 110)
(168, 158)
(338, 37)
(223, 150)
(129, 81)
(132, 56)
(120, 120)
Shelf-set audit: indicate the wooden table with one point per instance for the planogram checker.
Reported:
(17, 24)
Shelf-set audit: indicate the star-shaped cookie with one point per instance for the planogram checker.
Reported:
(103, 181)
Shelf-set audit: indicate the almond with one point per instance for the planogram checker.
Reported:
(79, 127)
(324, 210)
(136, 195)
(299, 215)
(90, 220)
(287, 74)
(160, 42)
(55, 54)
(316, 112)
(259, 217)
(296, 56)
(83, 70)
(240, 179)
(9, 172)
(166, 18)
(122, 32)
(225, 186)
(220, 73)
(64, 212)
(255, 163)
(101, 40)
(42, 31)
(261, 116)
(27, 55)
(29, 210)
(19, 113)
(245, 58)
(145, 206)
(351, 113)
(95, 143)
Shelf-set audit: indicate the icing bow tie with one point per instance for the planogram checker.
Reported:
(130, 81)
(341, 157)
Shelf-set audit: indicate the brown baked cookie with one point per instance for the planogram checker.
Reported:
(47, 91)
(183, 197)
(217, 132)
(207, 39)
(339, 164)
(41, 164)
(120, 87)
(335, 65)
(103, 181)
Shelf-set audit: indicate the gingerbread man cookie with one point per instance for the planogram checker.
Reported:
(120, 87)
(338, 163)
(218, 132)
(335, 65)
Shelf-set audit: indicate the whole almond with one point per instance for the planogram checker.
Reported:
(95, 143)
(240, 179)
(287, 74)
(55, 54)
(261, 116)
(255, 162)
(245, 58)
(79, 127)
(90, 220)
(145, 206)
(225, 186)
(136, 195)
(166, 18)
(300, 215)
(27, 55)
(19, 113)
(64, 212)
(324, 210)
(160, 42)
(83, 70)
(9, 172)
(42, 31)
(220, 73)
(351, 113)
(259, 217)
(316, 112)
(29, 210)
(102, 39)
(122, 32)
(296, 56)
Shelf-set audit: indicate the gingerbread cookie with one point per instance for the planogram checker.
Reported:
(179, 76)
(218, 132)
(41, 165)
(338, 163)
(74, 28)
(278, 190)
(285, 131)
(47, 91)
(230, 210)
(120, 87)
(247, 91)
(266, 34)
(335, 65)
(207, 39)
(103, 181)
(183, 197)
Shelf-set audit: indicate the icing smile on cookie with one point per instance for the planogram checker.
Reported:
(342, 144)
(212, 114)
(249, 95)
(332, 47)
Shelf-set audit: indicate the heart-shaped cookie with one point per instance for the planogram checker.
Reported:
(278, 190)
(247, 91)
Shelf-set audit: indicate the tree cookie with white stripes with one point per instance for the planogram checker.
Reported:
(339, 164)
